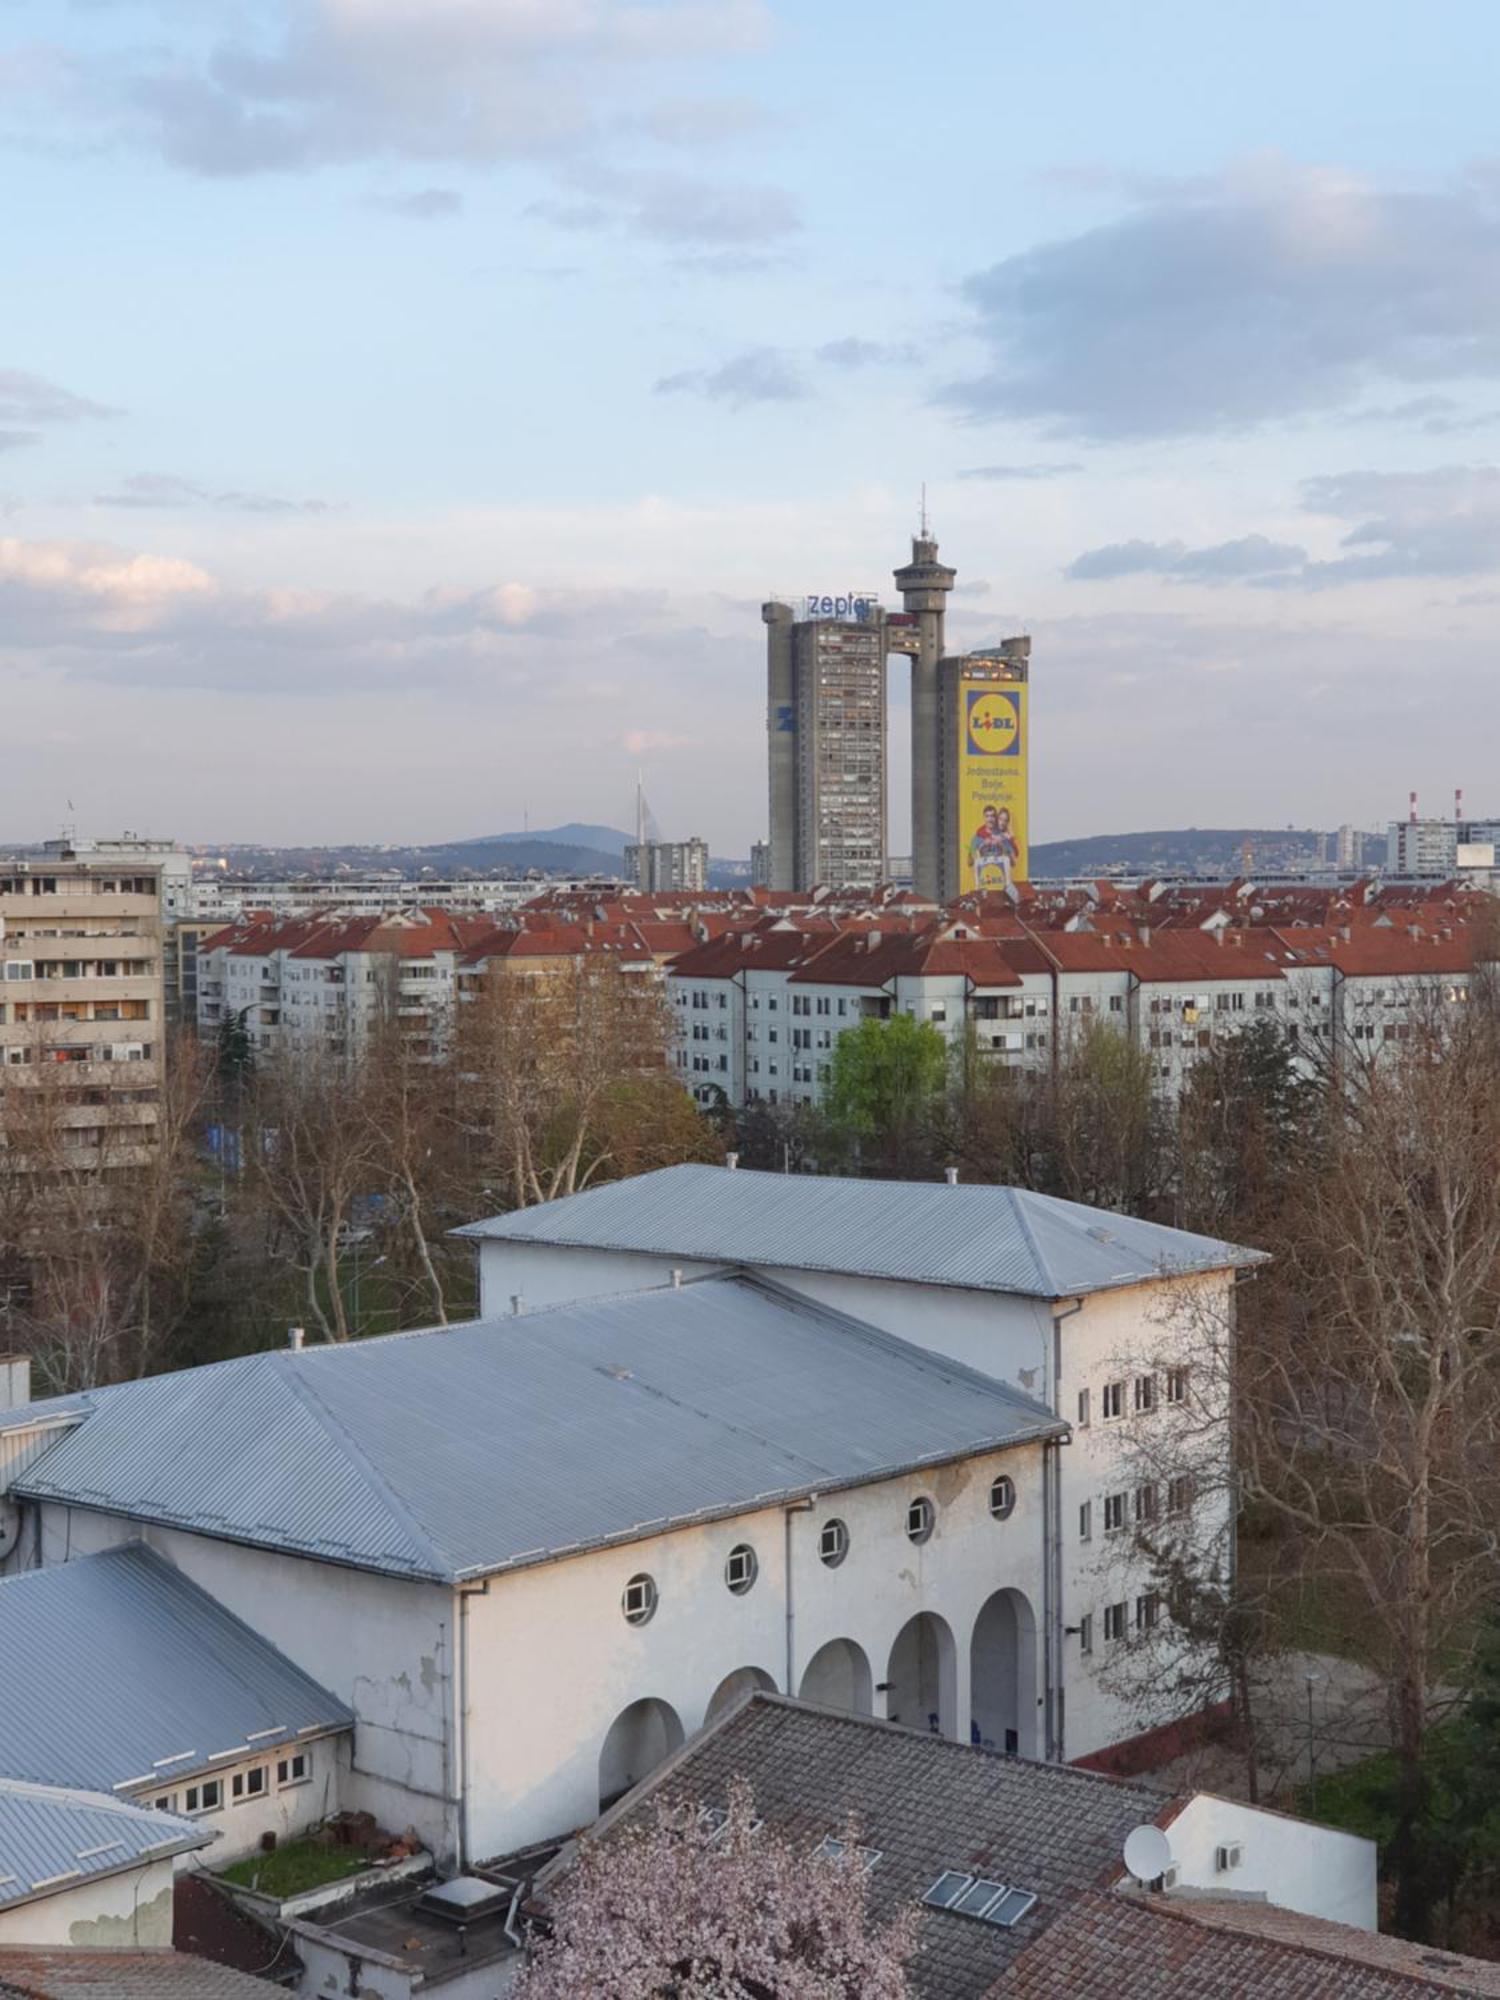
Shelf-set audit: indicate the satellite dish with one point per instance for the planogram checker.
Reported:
(10, 1527)
(1148, 1853)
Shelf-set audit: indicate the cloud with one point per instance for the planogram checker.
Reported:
(1037, 471)
(1437, 416)
(1439, 523)
(671, 208)
(1273, 292)
(432, 204)
(853, 352)
(702, 121)
(639, 741)
(1228, 562)
(163, 489)
(306, 83)
(29, 402)
(759, 375)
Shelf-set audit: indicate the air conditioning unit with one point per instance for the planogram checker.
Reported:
(1228, 1857)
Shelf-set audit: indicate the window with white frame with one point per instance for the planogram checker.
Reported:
(1147, 1611)
(1176, 1385)
(251, 1784)
(638, 1600)
(1145, 1505)
(921, 1519)
(1145, 1394)
(1003, 1497)
(1086, 1521)
(1114, 1621)
(205, 1797)
(1114, 1513)
(741, 1567)
(1086, 1632)
(1180, 1493)
(293, 1770)
(1113, 1401)
(833, 1543)
(1083, 1409)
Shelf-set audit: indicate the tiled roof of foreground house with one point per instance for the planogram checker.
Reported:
(924, 1804)
(996, 1239)
(114, 1663)
(1216, 1948)
(495, 1444)
(73, 1974)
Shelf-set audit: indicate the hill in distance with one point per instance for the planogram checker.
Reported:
(1189, 850)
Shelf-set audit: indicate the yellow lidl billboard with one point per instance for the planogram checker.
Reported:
(991, 784)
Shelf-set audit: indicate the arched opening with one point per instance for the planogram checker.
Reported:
(744, 1680)
(922, 1676)
(1002, 1676)
(838, 1675)
(639, 1738)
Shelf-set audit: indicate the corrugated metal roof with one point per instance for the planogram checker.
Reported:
(53, 1838)
(499, 1443)
(991, 1239)
(116, 1667)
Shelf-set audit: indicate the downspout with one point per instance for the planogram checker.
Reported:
(796, 1507)
(1054, 1689)
(465, 1592)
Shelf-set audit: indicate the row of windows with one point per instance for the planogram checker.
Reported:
(1145, 1506)
(639, 1600)
(1143, 1391)
(208, 1794)
(1117, 1620)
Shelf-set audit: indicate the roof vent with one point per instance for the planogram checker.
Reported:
(950, 1175)
(731, 1160)
(465, 1899)
(294, 1338)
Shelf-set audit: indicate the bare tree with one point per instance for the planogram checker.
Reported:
(692, 1907)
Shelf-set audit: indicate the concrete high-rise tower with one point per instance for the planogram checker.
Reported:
(924, 584)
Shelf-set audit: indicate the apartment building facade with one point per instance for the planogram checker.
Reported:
(81, 1011)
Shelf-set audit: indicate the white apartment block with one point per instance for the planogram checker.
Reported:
(81, 1004)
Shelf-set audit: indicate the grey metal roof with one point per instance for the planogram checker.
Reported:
(117, 1668)
(52, 1838)
(498, 1443)
(924, 1804)
(992, 1239)
(68, 1973)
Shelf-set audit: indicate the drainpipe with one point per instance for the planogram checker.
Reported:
(796, 1507)
(465, 1592)
(1054, 1692)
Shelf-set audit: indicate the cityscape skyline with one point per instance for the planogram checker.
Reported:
(377, 471)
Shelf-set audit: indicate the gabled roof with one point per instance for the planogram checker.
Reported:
(69, 1973)
(991, 1239)
(924, 1804)
(53, 1838)
(498, 1444)
(116, 1669)
(1164, 1947)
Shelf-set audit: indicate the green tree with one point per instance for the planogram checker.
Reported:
(886, 1084)
(1247, 1123)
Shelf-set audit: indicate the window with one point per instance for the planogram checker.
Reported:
(833, 1543)
(1086, 1521)
(1114, 1401)
(921, 1519)
(248, 1784)
(1145, 1394)
(1147, 1612)
(166, 1804)
(1114, 1621)
(639, 1600)
(1114, 1513)
(1083, 1409)
(1086, 1632)
(293, 1770)
(1180, 1493)
(741, 1568)
(1176, 1385)
(1003, 1498)
(207, 1797)
(1145, 1505)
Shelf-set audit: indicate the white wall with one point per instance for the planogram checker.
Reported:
(1318, 1870)
(285, 1810)
(382, 1644)
(116, 1912)
(553, 1663)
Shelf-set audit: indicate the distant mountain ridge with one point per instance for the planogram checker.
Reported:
(1189, 850)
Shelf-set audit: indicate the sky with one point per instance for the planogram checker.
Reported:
(406, 405)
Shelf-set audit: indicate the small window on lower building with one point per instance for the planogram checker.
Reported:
(921, 1519)
(741, 1568)
(1114, 1621)
(1147, 1611)
(1083, 1409)
(248, 1784)
(833, 1543)
(1177, 1385)
(1180, 1493)
(207, 1797)
(292, 1770)
(1003, 1498)
(1086, 1632)
(166, 1804)
(638, 1601)
(1086, 1521)
(1114, 1401)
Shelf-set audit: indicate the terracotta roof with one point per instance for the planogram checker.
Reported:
(1165, 1947)
(58, 1973)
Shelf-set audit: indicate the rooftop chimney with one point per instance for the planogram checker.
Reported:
(294, 1338)
(517, 1305)
(950, 1175)
(731, 1160)
(676, 1277)
(15, 1381)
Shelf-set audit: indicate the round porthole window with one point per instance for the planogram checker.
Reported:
(1003, 1498)
(639, 1600)
(833, 1543)
(921, 1519)
(741, 1568)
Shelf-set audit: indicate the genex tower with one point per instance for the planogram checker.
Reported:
(827, 740)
